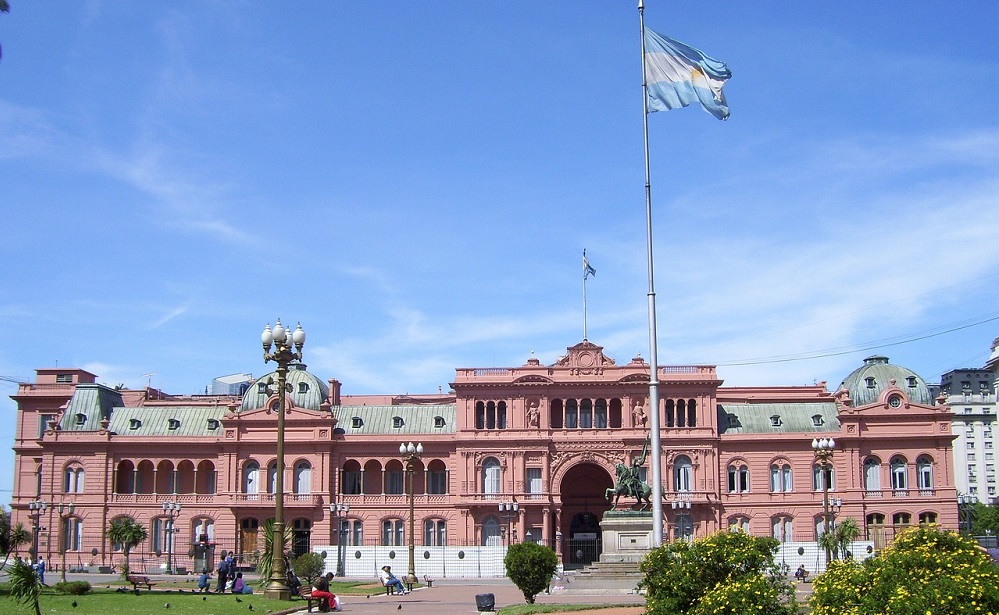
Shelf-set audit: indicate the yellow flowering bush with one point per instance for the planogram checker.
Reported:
(724, 573)
(926, 570)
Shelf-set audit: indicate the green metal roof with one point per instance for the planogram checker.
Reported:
(877, 368)
(412, 419)
(90, 403)
(808, 417)
(174, 421)
(306, 390)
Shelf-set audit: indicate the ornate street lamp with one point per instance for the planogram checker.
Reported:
(824, 449)
(65, 514)
(171, 510)
(508, 512)
(287, 348)
(339, 511)
(36, 509)
(966, 509)
(411, 454)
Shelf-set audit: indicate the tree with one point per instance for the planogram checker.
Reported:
(530, 566)
(926, 570)
(266, 564)
(128, 533)
(985, 519)
(725, 572)
(11, 537)
(23, 585)
(308, 566)
(838, 541)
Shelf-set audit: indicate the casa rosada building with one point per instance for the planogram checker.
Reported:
(547, 437)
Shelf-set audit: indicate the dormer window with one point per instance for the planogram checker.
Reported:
(134, 423)
(870, 382)
(173, 424)
(64, 378)
(911, 382)
(397, 422)
(439, 422)
(303, 387)
(213, 424)
(817, 420)
(775, 420)
(81, 419)
(733, 420)
(262, 388)
(357, 422)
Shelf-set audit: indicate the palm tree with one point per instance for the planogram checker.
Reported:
(128, 533)
(266, 563)
(23, 585)
(11, 537)
(845, 533)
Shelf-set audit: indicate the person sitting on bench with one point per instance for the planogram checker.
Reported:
(801, 574)
(390, 580)
(321, 590)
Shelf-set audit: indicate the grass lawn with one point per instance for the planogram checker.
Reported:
(168, 599)
(528, 609)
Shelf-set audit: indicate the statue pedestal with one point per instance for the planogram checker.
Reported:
(626, 536)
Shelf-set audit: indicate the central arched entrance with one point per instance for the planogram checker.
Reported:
(583, 505)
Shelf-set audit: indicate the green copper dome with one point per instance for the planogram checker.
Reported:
(305, 390)
(866, 383)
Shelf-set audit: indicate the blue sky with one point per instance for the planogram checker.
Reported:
(416, 182)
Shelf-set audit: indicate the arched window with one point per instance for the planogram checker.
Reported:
(435, 532)
(491, 475)
(780, 477)
(303, 477)
(393, 534)
(781, 528)
(555, 414)
(251, 478)
(491, 532)
(670, 413)
(480, 415)
(924, 473)
(927, 517)
(899, 474)
(600, 414)
(571, 414)
(394, 478)
(682, 473)
(738, 478)
(272, 477)
(203, 530)
(73, 534)
(822, 476)
(126, 477)
(872, 474)
(436, 477)
(73, 480)
(681, 413)
(901, 518)
(691, 413)
(738, 523)
(586, 414)
(350, 478)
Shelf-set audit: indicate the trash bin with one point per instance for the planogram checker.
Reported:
(485, 602)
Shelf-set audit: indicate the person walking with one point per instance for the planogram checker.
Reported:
(223, 571)
(40, 569)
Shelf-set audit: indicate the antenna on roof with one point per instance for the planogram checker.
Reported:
(149, 379)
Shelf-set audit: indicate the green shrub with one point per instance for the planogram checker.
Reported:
(308, 566)
(679, 576)
(926, 570)
(76, 588)
(530, 566)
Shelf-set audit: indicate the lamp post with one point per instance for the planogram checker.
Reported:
(65, 514)
(171, 510)
(411, 454)
(339, 511)
(966, 509)
(681, 509)
(824, 449)
(36, 509)
(287, 347)
(508, 512)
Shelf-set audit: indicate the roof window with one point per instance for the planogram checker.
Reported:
(262, 388)
(733, 420)
(173, 424)
(357, 422)
(870, 382)
(134, 423)
(213, 423)
(303, 387)
(775, 420)
(817, 420)
(81, 419)
(64, 378)
(911, 381)
(439, 422)
(397, 422)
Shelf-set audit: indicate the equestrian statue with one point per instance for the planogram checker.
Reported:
(629, 482)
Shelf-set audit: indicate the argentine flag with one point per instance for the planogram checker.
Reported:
(677, 75)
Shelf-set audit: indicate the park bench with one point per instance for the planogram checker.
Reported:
(137, 579)
(390, 589)
(305, 593)
(428, 580)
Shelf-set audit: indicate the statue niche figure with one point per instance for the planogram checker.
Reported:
(629, 482)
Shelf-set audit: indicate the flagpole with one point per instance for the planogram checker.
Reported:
(585, 275)
(657, 484)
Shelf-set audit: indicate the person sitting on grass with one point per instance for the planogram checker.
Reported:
(239, 586)
(390, 580)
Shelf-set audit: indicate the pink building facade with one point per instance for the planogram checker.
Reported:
(547, 437)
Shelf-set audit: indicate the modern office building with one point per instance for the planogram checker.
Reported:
(547, 437)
